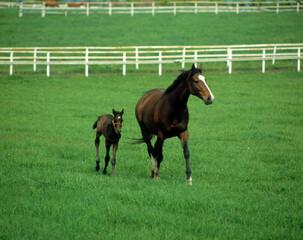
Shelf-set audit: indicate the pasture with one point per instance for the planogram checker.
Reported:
(246, 158)
(246, 148)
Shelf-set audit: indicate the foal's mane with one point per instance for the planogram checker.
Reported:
(180, 78)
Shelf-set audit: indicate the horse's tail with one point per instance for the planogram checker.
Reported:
(95, 124)
(140, 140)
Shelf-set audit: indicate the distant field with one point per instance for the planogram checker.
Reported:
(246, 156)
(246, 148)
(144, 29)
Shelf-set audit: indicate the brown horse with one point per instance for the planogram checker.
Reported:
(164, 112)
(51, 3)
(71, 4)
(110, 126)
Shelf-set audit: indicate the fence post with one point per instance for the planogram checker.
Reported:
(277, 8)
(274, 55)
(183, 58)
(35, 59)
(137, 55)
(299, 54)
(11, 65)
(47, 64)
(153, 8)
(21, 9)
(43, 10)
(175, 9)
(196, 7)
(86, 62)
(195, 58)
(263, 60)
(298, 6)
(110, 9)
(229, 62)
(66, 11)
(237, 9)
(216, 9)
(160, 65)
(87, 9)
(124, 65)
(132, 8)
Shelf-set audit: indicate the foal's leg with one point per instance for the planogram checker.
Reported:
(113, 161)
(108, 144)
(184, 138)
(97, 141)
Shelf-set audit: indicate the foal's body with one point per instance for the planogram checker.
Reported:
(164, 112)
(110, 127)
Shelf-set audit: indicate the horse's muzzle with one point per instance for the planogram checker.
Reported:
(209, 100)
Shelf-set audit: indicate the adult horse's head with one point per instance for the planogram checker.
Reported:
(117, 120)
(197, 85)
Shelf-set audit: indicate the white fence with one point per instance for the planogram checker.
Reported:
(50, 7)
(86, 56)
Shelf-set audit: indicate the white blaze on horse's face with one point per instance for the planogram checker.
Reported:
(207, 95)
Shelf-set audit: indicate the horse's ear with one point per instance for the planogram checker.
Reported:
(122, 111)
(193, 67)
(201, 67)
(114, 111)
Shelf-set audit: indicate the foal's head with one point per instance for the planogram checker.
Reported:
(197, 85)
(117, 120)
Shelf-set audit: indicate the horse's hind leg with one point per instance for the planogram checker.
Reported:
(150, 149)
(158, 155)
(97, 142)
(108, 144)
(113, 161)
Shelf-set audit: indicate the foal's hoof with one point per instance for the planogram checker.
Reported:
(97, 168)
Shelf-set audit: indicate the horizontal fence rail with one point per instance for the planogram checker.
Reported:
(54, 7)
(86, 56)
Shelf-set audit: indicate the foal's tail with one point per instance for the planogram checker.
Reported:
(95, 124)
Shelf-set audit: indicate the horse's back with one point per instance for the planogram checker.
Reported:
(147, 102)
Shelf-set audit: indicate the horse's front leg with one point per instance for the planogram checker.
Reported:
(184, 141)
(113, 161)
(97, 142)
(107, 144)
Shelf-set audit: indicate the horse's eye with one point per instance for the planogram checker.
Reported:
(196, 81)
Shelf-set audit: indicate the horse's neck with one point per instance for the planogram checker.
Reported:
(179, 96)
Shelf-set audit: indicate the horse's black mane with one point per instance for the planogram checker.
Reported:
(183, 76)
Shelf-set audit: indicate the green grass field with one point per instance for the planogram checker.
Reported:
(246, 156)
(246, 148)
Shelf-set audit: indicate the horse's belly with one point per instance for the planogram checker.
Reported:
(146, 104)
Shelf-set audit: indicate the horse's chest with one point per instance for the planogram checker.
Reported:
(176, 126)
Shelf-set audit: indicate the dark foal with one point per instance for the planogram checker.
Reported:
(110, 127)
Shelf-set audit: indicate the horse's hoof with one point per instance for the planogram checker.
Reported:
(104, 172)
(97, 168)
(190, 181)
